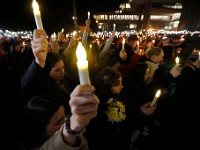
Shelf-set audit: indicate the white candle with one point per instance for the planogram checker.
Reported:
(155, 98)
(88, 15)
(37, 15)
(82, 65)
(177, 60)
(199, 54)
(114, 27)
(123, 43)
(138, 45)
(62, 30)
(53, 36)
(74, 34)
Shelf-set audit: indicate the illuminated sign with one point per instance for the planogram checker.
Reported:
(159, 17)
(117, 17)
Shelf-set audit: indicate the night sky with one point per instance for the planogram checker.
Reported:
(56, 14)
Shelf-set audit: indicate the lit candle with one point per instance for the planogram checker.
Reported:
(153, 42)
(74, 34)
(123, 42)
(37, 15)
(199, 54)
(67, 36)
(155, 98)
(24, 46)
(138, 45)
(177, 60)
(82, 65)
(114, 27)
(53, 36)
(88, 15)
(62, 30)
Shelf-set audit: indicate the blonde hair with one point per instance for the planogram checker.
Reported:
(153, 51)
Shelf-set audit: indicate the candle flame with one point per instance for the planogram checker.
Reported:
(80, 52)
(82, 64)
(158, 93)
(74, 34)
(123, 41)
(35, 7)
(177, 60)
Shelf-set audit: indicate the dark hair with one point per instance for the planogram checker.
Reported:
(51, 60)
(139, 71)
(36, 115)
(168, 52)
(132, 37)
(107, 78)
(157, 43)
(192, 58)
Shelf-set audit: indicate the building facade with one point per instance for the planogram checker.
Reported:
(142, 15)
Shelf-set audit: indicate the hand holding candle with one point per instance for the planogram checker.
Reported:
(37, 15)
(156, 97)
(82, 65)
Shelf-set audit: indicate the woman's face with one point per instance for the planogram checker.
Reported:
(58, 71)
(117, 88)
(17, 48)
(56, 121)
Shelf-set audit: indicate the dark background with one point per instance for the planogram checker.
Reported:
(56, 14)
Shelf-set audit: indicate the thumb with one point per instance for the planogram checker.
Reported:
(177, 66)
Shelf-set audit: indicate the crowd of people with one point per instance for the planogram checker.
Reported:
(51, 110)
